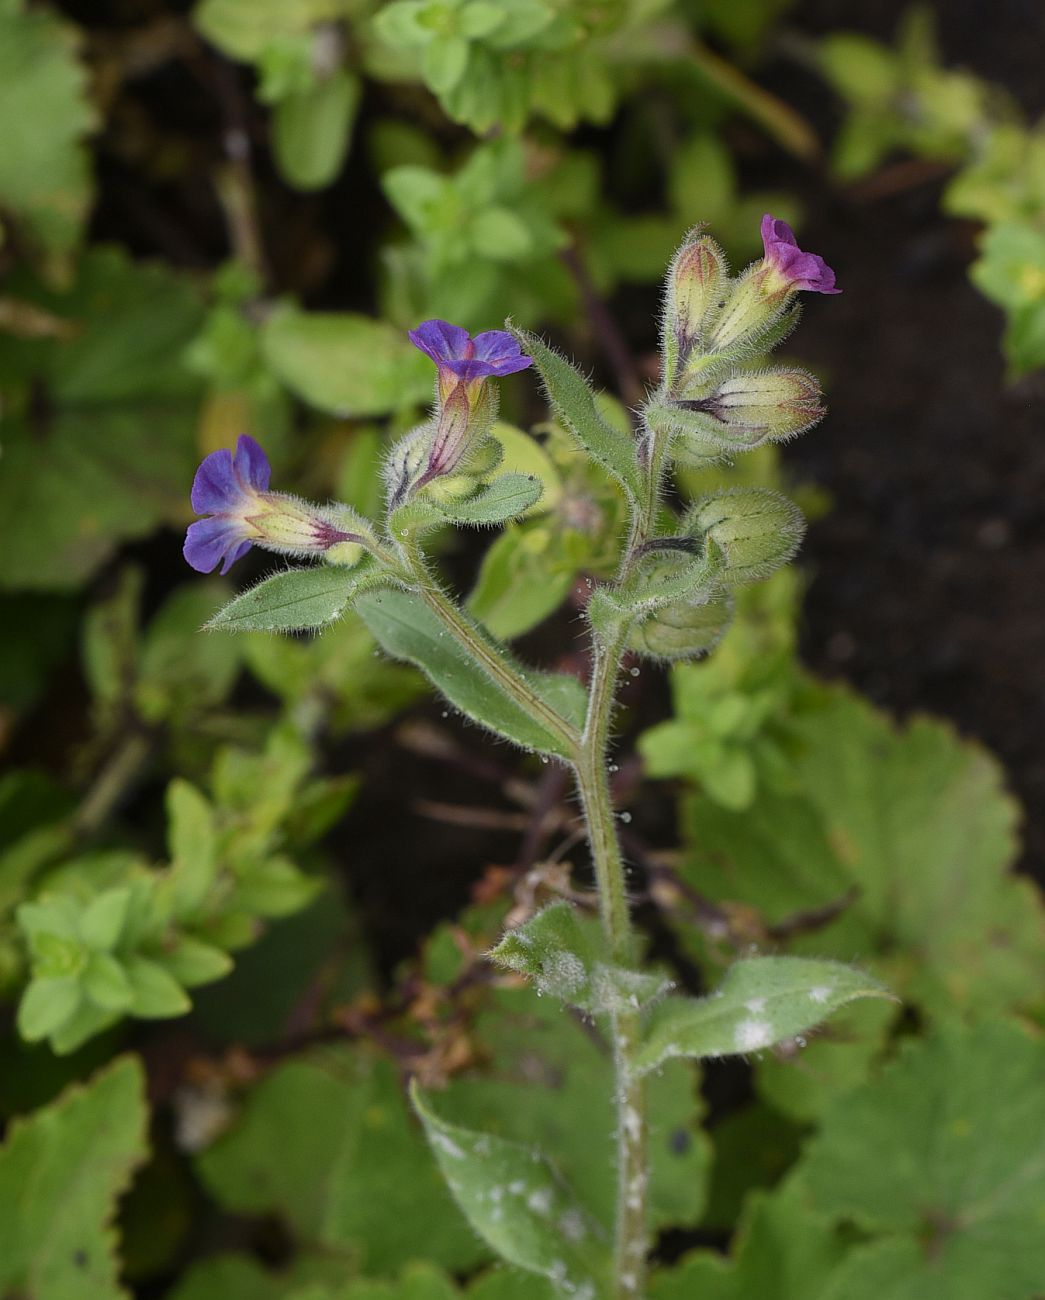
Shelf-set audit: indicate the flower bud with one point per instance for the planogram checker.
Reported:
(754, 305)
(683, 630)
(756, 406)
(750, 532)
(694, 287)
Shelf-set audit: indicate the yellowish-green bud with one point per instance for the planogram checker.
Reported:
(750, 532)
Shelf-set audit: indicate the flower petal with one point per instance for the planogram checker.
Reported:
(209, 542)
(251, 463)
(215, 486)
(803, 270)
(440, 340)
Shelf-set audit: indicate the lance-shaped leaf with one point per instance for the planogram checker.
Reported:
(565, 957)
(407, 629)
(574, 404)
(507, 497)
(515, 1200)
(295, 600)
(762, 1001)
(61, 1171)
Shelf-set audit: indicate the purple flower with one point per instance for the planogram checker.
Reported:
(460, 357)
(791, 267)
(227, 488)
(233, 491)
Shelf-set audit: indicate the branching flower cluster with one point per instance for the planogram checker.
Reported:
(671, 599)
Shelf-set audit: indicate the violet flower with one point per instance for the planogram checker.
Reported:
(232, 489)
(460, 358)
(789, 267)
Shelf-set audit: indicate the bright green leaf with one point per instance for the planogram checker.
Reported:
(346, 364)
(61, 1171)
(312, 130)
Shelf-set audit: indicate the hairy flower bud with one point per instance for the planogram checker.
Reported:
(683, 630)
(750, 532)
(695, 282)
(756, 406)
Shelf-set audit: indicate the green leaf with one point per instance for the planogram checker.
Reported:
(444, 61)
(312, 130)
(565, 957)
(549, 1083)
(345, 364)
(296, 599)
(182, 673)
(329, 1145)
(103, 918)
(406, 628)
(192, 962)
(46, 1005)
(941, 1158)
(507, 497)
(105, 982)
(45, 176)
(157, 995)
(784, 1250)
(574, 403)
(86, 487)
(78, 1154)
(525, 576)
(913, 829)
(518, 1203)
(275, 887)
(762, 1001)
(192, 844)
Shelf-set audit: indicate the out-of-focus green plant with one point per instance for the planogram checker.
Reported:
(904, 99)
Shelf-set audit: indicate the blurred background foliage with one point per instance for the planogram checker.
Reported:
(260, 873)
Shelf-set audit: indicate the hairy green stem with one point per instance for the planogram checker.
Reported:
(593, 784)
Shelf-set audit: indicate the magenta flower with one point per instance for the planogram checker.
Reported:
(460, 357)
(789, 266)
(233, 491)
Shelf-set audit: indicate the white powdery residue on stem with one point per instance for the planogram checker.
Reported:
(820, 994)
(632, 1123)
(756, 1005)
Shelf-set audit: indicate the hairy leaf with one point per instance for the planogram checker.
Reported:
(519, 1204)
(295, 600)
(762, 1001)
(407, 629)
(574, 403)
